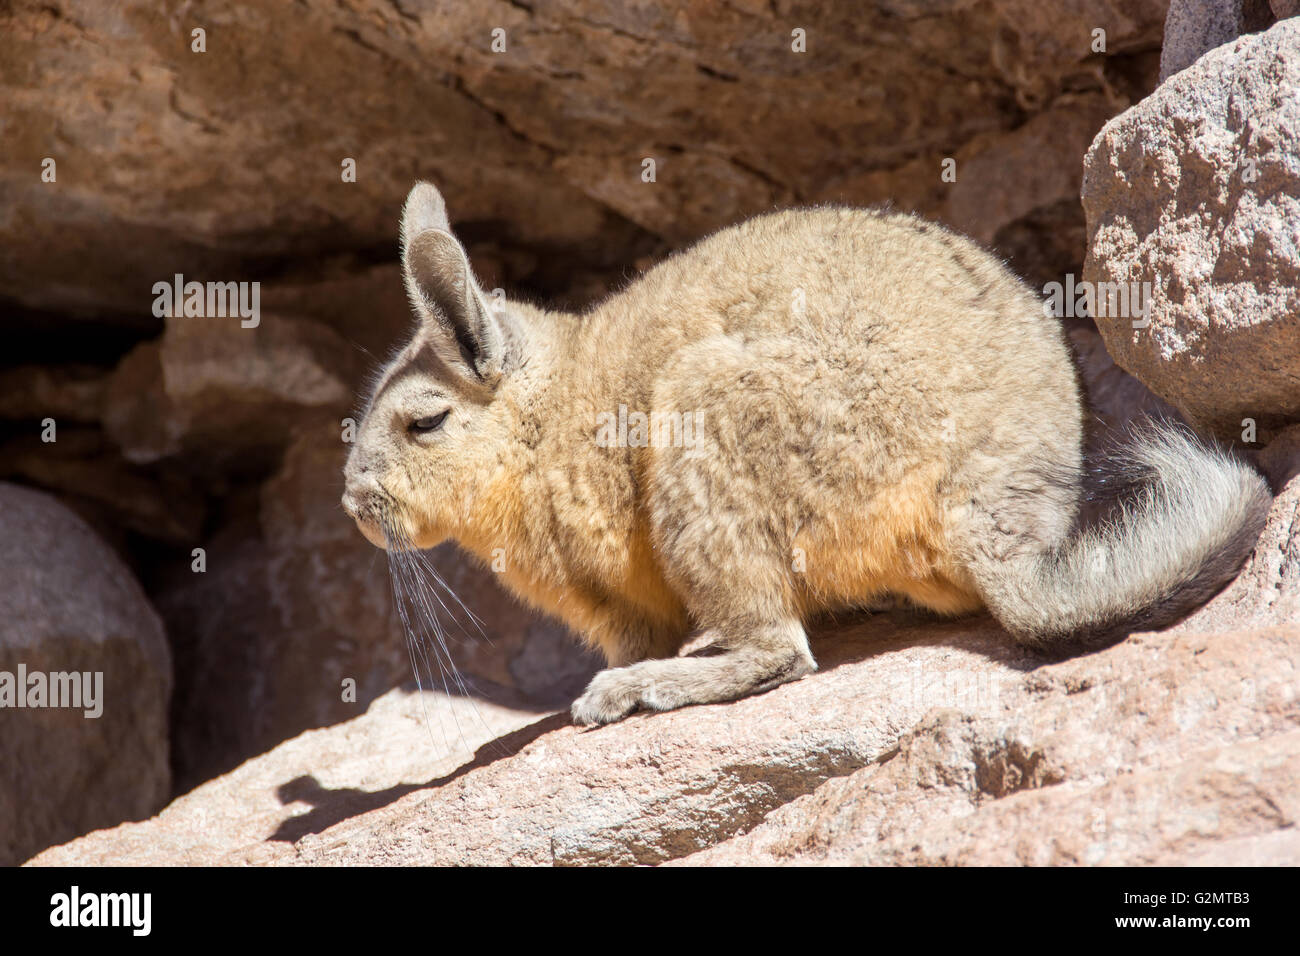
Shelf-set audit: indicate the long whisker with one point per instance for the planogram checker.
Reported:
(398, 574)
(411, 574)
(427, 565)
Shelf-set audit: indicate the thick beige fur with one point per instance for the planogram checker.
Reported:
(879, 407)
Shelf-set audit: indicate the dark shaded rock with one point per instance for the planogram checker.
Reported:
(69, 605)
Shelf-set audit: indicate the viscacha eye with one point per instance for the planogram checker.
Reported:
(429, 424)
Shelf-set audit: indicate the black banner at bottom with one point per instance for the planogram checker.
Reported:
(336, 906)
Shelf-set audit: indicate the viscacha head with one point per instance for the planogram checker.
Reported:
(436, 425)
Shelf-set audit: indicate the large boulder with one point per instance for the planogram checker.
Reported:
(649, 789)
(95, 752)
(1195, 192)
(171, 160)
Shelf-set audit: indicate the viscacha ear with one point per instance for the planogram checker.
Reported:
(441, 284)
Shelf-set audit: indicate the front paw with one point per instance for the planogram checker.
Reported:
(611, 696)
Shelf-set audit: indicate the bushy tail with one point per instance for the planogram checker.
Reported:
(1179, 535)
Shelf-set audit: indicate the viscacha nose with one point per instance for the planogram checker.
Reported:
(350, 503)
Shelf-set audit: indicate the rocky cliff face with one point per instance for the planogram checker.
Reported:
(577, 143)
(917, 742)
(535, 119)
